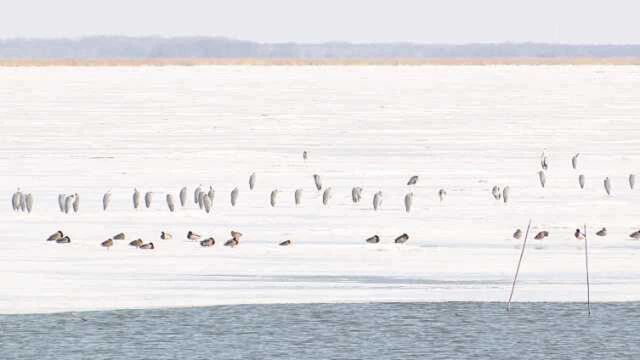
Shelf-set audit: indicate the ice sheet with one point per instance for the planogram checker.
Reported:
(461, 128)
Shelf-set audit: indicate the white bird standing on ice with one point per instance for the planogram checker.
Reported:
(252, 181)
(495, 191)
(505, 193)
(15, 200)
(211, 194)
(574, 161)
(327, 195)
(274, 195)
(170, 202)
(23, 201)
(136, 198)
(356, 194)
(318, 181)
(196, 194)
(234, 196)
(61, 198)
(632, 181)
(442, 193)
(29, 202)
(298, 196)
(68, 203)
(377, 200)
(607, 185)
(106, 200)
(147, 199)
(183, 196)
(201, 196)
(543, 178)
(305, 155)
(543, 161)
(23, 204)
(76, 202)
(408, 201)
(581, 181)
(207, 203)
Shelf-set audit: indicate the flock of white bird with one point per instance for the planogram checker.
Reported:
(579, 234)
(204, 199)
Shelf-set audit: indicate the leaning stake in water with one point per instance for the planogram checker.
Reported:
(586, 262)
(515, 278)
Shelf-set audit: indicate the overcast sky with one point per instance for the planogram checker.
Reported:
(426, 21)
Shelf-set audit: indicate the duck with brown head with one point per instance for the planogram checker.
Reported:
(64, 240)
(136, 243)
(402, 239)
(373, 240)
(232, 243)
(541, 235)
(517, 234)
(107, 243)
(55, 236)
(208, 242)
(148, 246)
(193, 236)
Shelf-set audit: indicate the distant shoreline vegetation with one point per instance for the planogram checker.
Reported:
(115, 50)
(314, 62)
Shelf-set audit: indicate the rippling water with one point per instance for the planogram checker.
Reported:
(330, 331)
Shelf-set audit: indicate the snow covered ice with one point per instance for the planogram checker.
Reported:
(88, 130)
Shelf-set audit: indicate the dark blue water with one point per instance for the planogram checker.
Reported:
(330, 331)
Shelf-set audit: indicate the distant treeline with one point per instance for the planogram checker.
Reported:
(110, 47)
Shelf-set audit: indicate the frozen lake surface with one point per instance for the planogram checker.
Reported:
(460, 128)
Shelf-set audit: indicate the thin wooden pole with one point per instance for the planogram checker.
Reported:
(586, 263)
(515, 278)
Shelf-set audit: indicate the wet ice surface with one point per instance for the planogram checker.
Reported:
(464, 129)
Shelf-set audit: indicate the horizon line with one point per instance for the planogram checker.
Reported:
(529, 61)
(347, 42)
